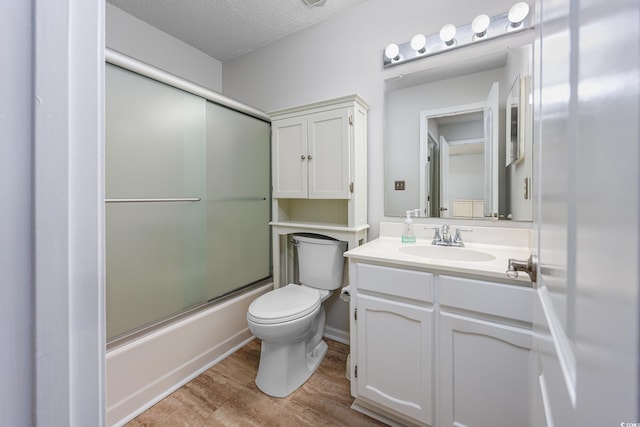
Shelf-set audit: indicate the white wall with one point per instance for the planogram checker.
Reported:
(343, 56)
(466, 177)
(16, 244)
(52, 351)
(131, 36)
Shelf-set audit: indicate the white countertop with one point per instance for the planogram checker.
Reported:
(386, 250)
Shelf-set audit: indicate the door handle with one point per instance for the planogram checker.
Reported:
(529, 266)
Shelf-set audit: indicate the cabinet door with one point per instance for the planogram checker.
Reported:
(290, 158)
(484, 373)
(329, 155)
(394, 355)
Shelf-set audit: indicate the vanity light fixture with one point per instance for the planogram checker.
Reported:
(517, 14)
(448, 34)
(483, 27)
(479, 25)
(419, 43)
(392, 52)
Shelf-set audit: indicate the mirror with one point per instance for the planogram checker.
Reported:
(446, 134)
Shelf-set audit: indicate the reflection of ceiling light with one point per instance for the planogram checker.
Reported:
(518, 13)
(392, 51)
(419, 43)
(315, 2)
(480, 24)
(448, 34)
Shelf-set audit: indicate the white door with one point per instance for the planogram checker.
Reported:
(491, 151)
(586, 314)
(444, 178)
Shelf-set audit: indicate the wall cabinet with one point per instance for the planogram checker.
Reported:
(311, 155)
(462, 358)
(319, 175)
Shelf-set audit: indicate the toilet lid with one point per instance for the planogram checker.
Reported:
(284, 304)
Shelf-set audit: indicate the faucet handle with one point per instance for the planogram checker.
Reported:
(436, 234)
(458, 236)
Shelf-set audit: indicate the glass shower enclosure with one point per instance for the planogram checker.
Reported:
(187, 201)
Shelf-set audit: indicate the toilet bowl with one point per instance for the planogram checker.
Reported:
(290, 320)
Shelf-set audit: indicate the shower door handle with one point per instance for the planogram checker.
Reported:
(165, 200)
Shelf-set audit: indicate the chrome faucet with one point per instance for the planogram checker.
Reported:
(446, 234)
(442, 237)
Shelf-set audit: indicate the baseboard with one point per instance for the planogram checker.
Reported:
(336, 335)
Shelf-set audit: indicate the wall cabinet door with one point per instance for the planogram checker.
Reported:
(329, 155)
(311, 156)
(484, 373)
(394, 362)
(289, 158)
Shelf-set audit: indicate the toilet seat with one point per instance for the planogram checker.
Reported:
(284, 304)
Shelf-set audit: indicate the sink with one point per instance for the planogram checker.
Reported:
(447, 253)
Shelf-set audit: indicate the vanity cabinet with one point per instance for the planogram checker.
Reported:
(319, 175)
(461, 358)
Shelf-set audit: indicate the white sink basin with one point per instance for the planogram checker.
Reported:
(446, 252)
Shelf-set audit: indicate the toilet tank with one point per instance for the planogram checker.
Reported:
(320, 260)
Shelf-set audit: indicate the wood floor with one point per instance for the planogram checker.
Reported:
(226, 395)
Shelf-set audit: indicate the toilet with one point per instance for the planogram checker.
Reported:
(290, 320)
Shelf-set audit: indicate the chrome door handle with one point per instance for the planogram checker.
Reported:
(529, 266)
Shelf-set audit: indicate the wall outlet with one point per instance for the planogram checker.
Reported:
(399, 186)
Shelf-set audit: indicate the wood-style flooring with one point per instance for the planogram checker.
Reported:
(226, 395)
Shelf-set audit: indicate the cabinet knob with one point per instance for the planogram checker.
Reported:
(302, 157)
(309, 156)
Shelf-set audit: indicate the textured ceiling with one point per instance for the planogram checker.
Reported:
(226, 29)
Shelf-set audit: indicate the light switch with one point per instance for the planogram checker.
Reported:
(399, 186)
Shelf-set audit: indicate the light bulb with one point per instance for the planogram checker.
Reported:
(518, 13)
(392, 51)
(418, 43)
(480, 24)
(448, 34)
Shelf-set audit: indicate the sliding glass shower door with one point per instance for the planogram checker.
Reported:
(187, 212)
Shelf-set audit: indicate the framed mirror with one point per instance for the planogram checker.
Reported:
(514, 136)
(464, 174)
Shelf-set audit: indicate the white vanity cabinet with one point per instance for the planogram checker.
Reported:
(432, 349)
(393, 317)
(484, 348)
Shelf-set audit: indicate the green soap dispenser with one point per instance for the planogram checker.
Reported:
(407, 234)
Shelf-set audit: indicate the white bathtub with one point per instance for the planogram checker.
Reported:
(145, 371)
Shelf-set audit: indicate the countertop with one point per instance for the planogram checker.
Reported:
(386, 250)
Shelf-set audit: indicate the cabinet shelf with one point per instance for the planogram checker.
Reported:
(319, 226)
